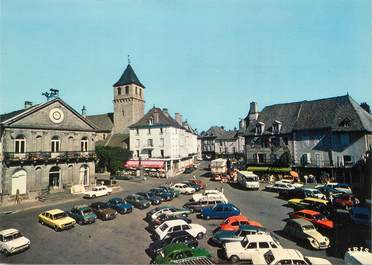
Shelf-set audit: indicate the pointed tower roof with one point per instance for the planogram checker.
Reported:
(128, 77)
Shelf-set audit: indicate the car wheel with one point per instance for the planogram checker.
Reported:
(56, 228)
(207, 217)
(234, 258)
(200, 235)
(94, 196)
(41, 222)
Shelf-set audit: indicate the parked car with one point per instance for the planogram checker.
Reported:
(165, 195)
(138, 201)
(279, 187)
(361, 215)
(168, 188)
(164, 217)
(310, 204)
(342, 187)
(103, 211)
(358, 256)
(12, 241)
(209, 195)
(288, 256)
(192, 185)
(305, 232)
(289, 181)
(150, 196)
(97, 192)
(120, 205)
(199, 182)
(57, 219)
(316, 218)
(82, 214)
(232, 223)
(168, 210)
(199, 205)
(327, 191)
(183, 188)
(301, 193)
(168, 227)
(179, 253)
(224, 236)
(189, 170)
(248, 180)
(345, 201)
(219, 211)
(157, 247)
(250, 247)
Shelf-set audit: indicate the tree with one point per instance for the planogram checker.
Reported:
(285, 159)
(111, 158)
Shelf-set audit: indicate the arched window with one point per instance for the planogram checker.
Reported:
(119, 90)
(56, 144)
(20, 145)
(127, 90)
(84, 144)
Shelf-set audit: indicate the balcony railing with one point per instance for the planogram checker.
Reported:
(41, 156)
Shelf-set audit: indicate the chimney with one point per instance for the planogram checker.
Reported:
(84, 111)
(28, 104)
(165, 111)
(178, 118)
(241, 124)
(156, 116)
(253, 112)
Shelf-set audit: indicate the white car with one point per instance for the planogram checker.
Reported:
(280, 187)
(287, 256)
(358, 256)
(209, 195)
(314, 193)
(167, 227)
(183, 188)
(287, 181)
(12, 241)
(250, 246)
(97, 192)
(168, 210)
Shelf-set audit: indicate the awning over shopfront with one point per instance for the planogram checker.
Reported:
(156, 164)
(270, 169)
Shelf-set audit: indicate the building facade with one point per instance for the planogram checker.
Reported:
(158, 136)
(49, 147)
(321, 136)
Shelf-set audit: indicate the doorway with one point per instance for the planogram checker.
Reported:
(54, 177)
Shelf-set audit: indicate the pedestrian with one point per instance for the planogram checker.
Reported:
(18, 198)
(305, 177)
(331, 197)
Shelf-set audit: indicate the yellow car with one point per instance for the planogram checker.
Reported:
(57, 219)
(308, 203)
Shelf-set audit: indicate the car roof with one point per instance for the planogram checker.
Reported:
(54, 211)
(310, 189)
(175, 222)
(251, 227)
(237, 218)
(285, 253)
(259, 237)
(225, 204)
(316, 200)
(300, 221)
(8, 231)
(309, 212)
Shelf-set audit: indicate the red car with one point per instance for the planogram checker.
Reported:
(345, 201)
(316, 218)
(232, 223)
(199, 182)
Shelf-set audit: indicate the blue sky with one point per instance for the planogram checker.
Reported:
(205, 59)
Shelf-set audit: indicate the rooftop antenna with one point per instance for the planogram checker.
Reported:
(128, 59)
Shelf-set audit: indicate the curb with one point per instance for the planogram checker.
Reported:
(6, 212)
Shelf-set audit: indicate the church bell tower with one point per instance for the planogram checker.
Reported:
(129, 103)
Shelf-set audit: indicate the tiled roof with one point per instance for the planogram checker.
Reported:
(158, 118)
(103, 122)
(114, 140)
(329, 113)
(128, 77)
(228, 135)
(214, 131)
(6, 116)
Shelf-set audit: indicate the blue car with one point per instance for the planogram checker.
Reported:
(166, 196)
(120, 205)
(219, 211)
(361, 215)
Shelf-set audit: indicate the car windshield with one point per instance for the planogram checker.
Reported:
(308, 227)
(12, 236)
(163, 227)
(59, 216)
(269, 257)
(319, 217)
(86, 211)
(251, 179)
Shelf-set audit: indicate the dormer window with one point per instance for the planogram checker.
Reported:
(260, 128)
(345, 123)
(277, 125)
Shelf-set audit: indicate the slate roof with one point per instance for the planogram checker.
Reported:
(114, 140)
(214, 131)
(103, 122)
(328, 113)
(228, 135)
(6, 116)
(128, 77)
(159, 118)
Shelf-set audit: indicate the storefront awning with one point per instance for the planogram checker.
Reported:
(144, 163)
(270, 169)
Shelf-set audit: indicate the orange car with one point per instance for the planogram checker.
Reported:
(316, 218)
(232, 223)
